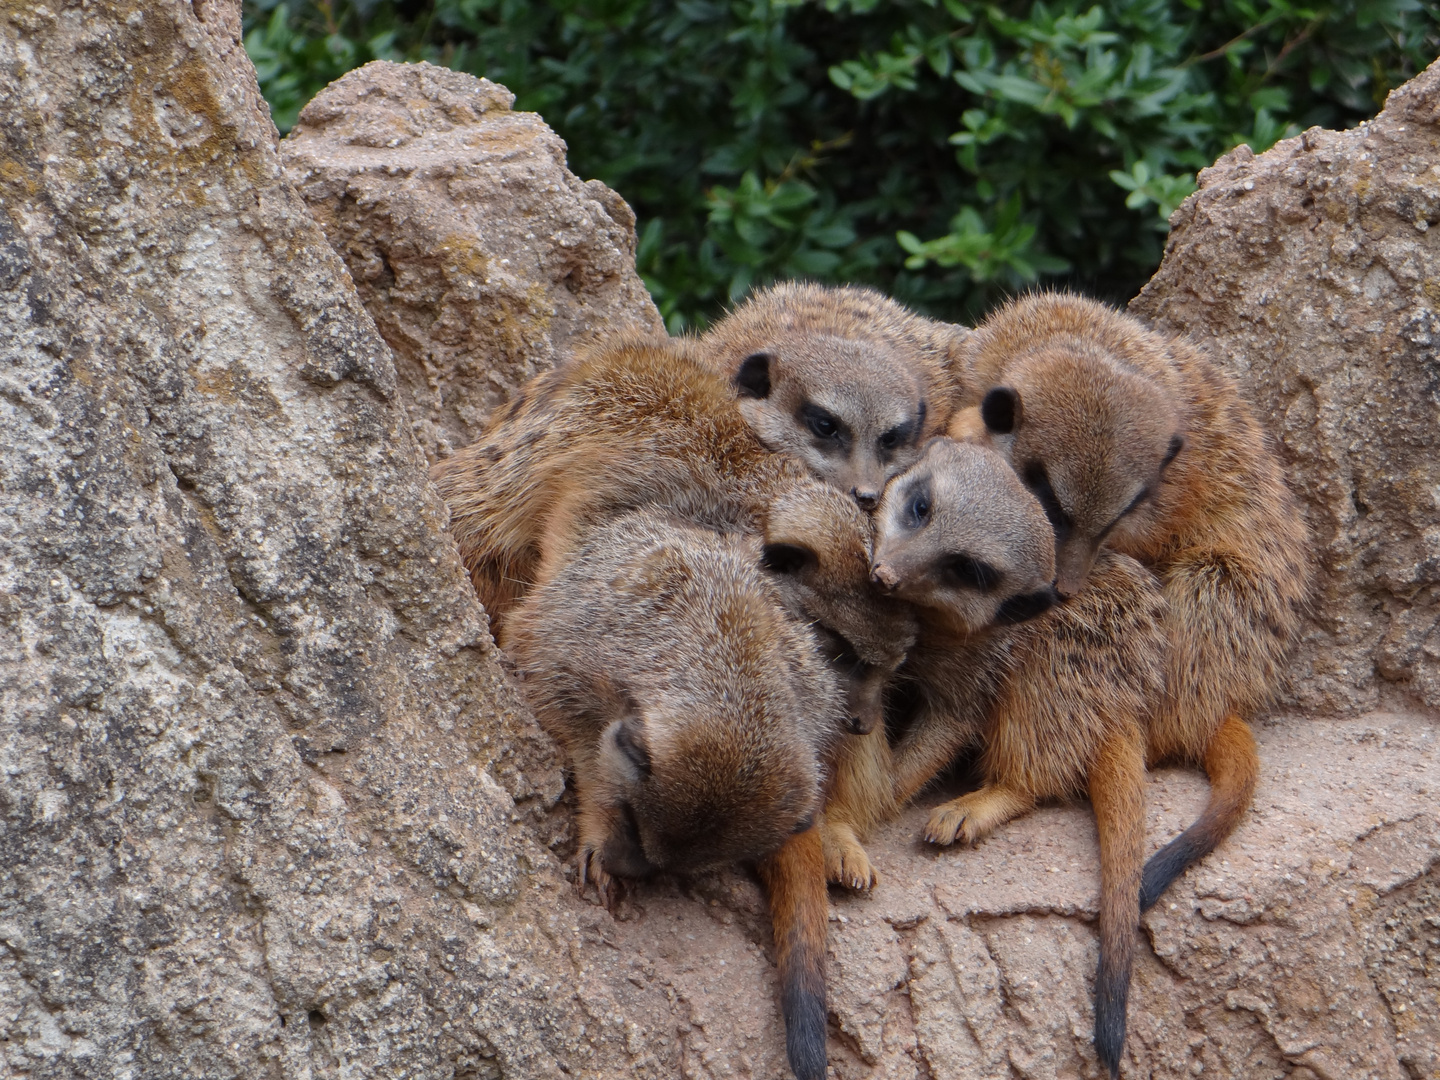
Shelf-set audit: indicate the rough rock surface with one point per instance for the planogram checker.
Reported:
(269, 806)
(480, 255)
(1311, 272)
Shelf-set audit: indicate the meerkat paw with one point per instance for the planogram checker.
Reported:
(592, 873)
(845, 860)
(971, 818)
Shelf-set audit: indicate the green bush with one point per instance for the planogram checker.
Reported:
(947, 152)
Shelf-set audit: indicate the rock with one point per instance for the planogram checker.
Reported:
(1311, 939)
(1310, 271)
(271, 807)
(482, 258)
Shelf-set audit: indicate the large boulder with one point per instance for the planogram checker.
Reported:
(482, 258)
(270, 805)
(1311, 273)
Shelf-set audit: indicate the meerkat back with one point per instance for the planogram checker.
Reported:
(629, 424)
(843, 379)
(696, 712)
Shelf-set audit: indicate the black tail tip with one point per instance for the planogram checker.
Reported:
(1110, 1004)
(1169, 863)
(805, 1032)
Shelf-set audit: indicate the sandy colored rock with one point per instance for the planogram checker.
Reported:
(1311, 273)
(482, 258)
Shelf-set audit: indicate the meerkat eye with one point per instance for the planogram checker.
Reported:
(889, 440)
(821, 422)
(920, 508)
(631, 743)
(1177, 443)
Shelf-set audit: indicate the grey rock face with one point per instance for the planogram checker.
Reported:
(1311, 272)
(482, 258)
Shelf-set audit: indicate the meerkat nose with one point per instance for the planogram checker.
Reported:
(867, 500)
(885, 577)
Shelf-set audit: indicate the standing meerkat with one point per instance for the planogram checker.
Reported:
(712, 756)
(1137, 442)
(843, 379)
(1056, 703)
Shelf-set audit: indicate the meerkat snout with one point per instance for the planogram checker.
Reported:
(885, 577)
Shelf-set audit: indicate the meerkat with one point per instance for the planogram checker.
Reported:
(843, 379)
(1056, 701)
(960, 538)
(642, 424)
(632, 423)
(695, 711)
(1136, 442)
(817, 544)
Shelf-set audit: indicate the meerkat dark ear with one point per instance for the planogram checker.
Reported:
(1177, 443)
(1001, 410)
(787, 558)
(752, 377)
(630, 739)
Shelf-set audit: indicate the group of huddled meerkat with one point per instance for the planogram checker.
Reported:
(764, 585)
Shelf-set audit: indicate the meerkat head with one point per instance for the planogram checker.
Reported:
(959, 535)
(690, 789)
(717, 708)
(818, 547)
(1092, 439)
(833, 377)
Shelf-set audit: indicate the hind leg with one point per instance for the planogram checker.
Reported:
(975, 816)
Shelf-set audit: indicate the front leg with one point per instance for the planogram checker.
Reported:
(975, 816)
(595, 824)
(860, 797)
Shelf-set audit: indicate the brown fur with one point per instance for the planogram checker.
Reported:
(805, 356)
(960, 537)
(794, 880)
(643, 424)
(1100, 403)
(715, 756)
(635, 423)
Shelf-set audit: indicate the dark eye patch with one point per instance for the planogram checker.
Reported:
(1177, 443)
(969, 572)
(1038, 481)
(633, 748)
(823, 424)
(1145, 493)
(918, 505)
(898, 436)
(804, 824)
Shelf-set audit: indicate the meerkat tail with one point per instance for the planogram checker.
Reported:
(1233, 765)
(1117, 792)
(794, 879)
